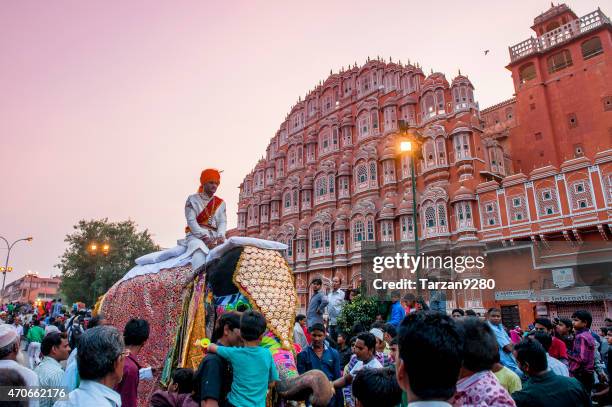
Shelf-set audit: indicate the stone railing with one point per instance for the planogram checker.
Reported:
(559, 35)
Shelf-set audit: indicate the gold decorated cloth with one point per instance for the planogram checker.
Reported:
(264, 277)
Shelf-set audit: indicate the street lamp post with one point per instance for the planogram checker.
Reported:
(410, 147)
(6, 268)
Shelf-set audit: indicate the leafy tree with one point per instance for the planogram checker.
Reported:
(87, 273)
(361, 309)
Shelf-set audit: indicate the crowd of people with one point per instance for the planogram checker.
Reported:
(410, 357)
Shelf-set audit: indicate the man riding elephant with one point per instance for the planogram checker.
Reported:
(183, 300)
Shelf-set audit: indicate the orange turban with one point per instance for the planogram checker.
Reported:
(209, 175)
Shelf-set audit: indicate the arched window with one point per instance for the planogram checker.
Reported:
(316, 239)
(559, 61)
(462, 146)
(406, 228)
(335, 142)
(332, 184)
(290, 248)
(527, 72)
(441, 214)
(430, 217)
(428, 105)
(370, 227)
(364, 125)
(362, 174)
(430, 153)
(440, 101)
(374, 114)
(347, 138)
(358, 232)
(288, 200)
(373, 171)
(321, 187)
(295, 198)
(591, 47)
(441, 151)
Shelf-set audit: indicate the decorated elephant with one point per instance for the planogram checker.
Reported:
(182, 307)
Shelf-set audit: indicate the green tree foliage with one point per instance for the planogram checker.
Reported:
(361, 309)
(87, 274)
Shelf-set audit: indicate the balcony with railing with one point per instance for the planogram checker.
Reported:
(559, 35)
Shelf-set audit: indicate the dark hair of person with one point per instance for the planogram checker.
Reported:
(544, 338)
(50, 340)
(231, 319)
(344, 335)
(545, 322)
(491, 310)
(479, 345)
(584, 316)
(470, 313)
(136, 332)
(371, 386)
(458, 310)
(604, 330)
(408, 297)
(10, 378)
(98, 350)
(184, 378)
(394, 341)
(94, 321)
(252, 325)
(567, 322)
(316, 281)
(36, 322)
(377, 324)
(431, 347)
(533, 353)
(369, 340)
(316, 327)
(395, 294)
(423, 304)
(390, 329)
(300, 317)
(358, 328)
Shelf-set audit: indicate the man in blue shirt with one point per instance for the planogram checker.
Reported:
(397, 311)
(321, 357)
(317, 304)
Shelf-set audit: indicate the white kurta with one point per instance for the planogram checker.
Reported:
(193, 207)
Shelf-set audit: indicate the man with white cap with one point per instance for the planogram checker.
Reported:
(9, 349)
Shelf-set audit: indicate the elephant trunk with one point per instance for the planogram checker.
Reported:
(312, 384)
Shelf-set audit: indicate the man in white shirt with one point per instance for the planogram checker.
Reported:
(17, 326)
(429, 358)
(55, 349)
(206, 218)
(365, 350)
(335, 303)
(101, 356)
(9, 352)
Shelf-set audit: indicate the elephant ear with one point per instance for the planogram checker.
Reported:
(263, 276)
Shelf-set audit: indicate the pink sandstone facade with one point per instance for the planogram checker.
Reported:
(535, 168)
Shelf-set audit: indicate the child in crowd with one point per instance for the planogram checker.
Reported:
(179, 391)
(477, 384)
(582, 354)
(506, 377)
(253, 366)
